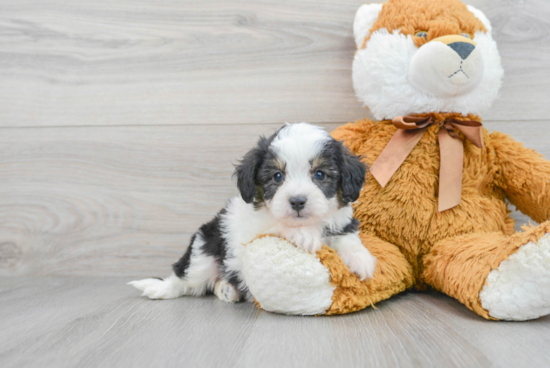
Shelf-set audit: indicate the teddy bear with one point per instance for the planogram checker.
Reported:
(433, 209)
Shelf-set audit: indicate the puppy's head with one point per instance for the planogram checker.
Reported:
(300, 174)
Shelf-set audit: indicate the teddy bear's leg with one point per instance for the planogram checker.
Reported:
(495, 275)
(284, 279)
(392, 275)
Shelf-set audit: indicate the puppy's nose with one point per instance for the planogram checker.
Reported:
(463, 49)
(298, 202)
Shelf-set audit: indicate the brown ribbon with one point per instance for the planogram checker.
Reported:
(410, 130)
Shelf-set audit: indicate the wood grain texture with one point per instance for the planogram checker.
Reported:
(114, 201)
(101, 322)
(139, 62)
(105, 200)
(119, 124)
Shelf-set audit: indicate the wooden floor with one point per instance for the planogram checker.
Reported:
(101, 322)
(120, 121)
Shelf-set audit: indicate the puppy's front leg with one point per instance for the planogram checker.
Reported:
(354, 254)
(309, 238)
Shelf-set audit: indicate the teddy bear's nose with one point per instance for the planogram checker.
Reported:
(463, 49)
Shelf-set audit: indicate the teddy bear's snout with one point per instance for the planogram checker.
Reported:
(461, 45)
(447, 66)
(463, 49)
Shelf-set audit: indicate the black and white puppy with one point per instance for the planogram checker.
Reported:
(297, 184)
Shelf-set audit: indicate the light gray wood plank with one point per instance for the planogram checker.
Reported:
(103, 200)
(125, 200)
(216, 62)
(68, 322)
(91, 322)
(142, 62)
(400, 333)
(496, 342)
(521, 29)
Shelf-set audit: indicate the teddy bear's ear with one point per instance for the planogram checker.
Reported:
(364, 19)
(479, 15)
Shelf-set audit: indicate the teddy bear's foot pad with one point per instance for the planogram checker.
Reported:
(285, 279)
(519, 289)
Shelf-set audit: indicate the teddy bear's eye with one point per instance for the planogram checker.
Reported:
(422, 34)
(466, 35)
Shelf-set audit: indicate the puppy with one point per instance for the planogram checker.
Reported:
(297, 184)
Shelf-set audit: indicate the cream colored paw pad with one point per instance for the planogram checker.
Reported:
(285, 279)
(519, 289)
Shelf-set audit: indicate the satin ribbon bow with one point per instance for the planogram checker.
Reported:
(451, 148)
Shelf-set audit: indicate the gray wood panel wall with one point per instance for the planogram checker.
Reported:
(120, 120)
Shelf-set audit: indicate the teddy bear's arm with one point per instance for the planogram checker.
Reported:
(524, 176)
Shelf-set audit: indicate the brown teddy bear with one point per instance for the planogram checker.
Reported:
(433, 208)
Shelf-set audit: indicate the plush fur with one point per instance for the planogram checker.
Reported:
(297, 184)
(393, 52)
(520, 287)
(287, 265)
(469, 252)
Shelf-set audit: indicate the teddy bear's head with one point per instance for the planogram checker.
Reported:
(420, 56)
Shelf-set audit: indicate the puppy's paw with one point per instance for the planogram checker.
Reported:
(360, 262)
(310, 244)
(141, 285)
(226, 292)
(157, 289)
(307, 239)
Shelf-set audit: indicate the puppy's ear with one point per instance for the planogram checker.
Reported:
(353, 175)
(247, 169)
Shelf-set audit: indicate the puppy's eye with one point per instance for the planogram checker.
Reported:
(278, 177)
(466, 35)
(422, 34)
(319, 175)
